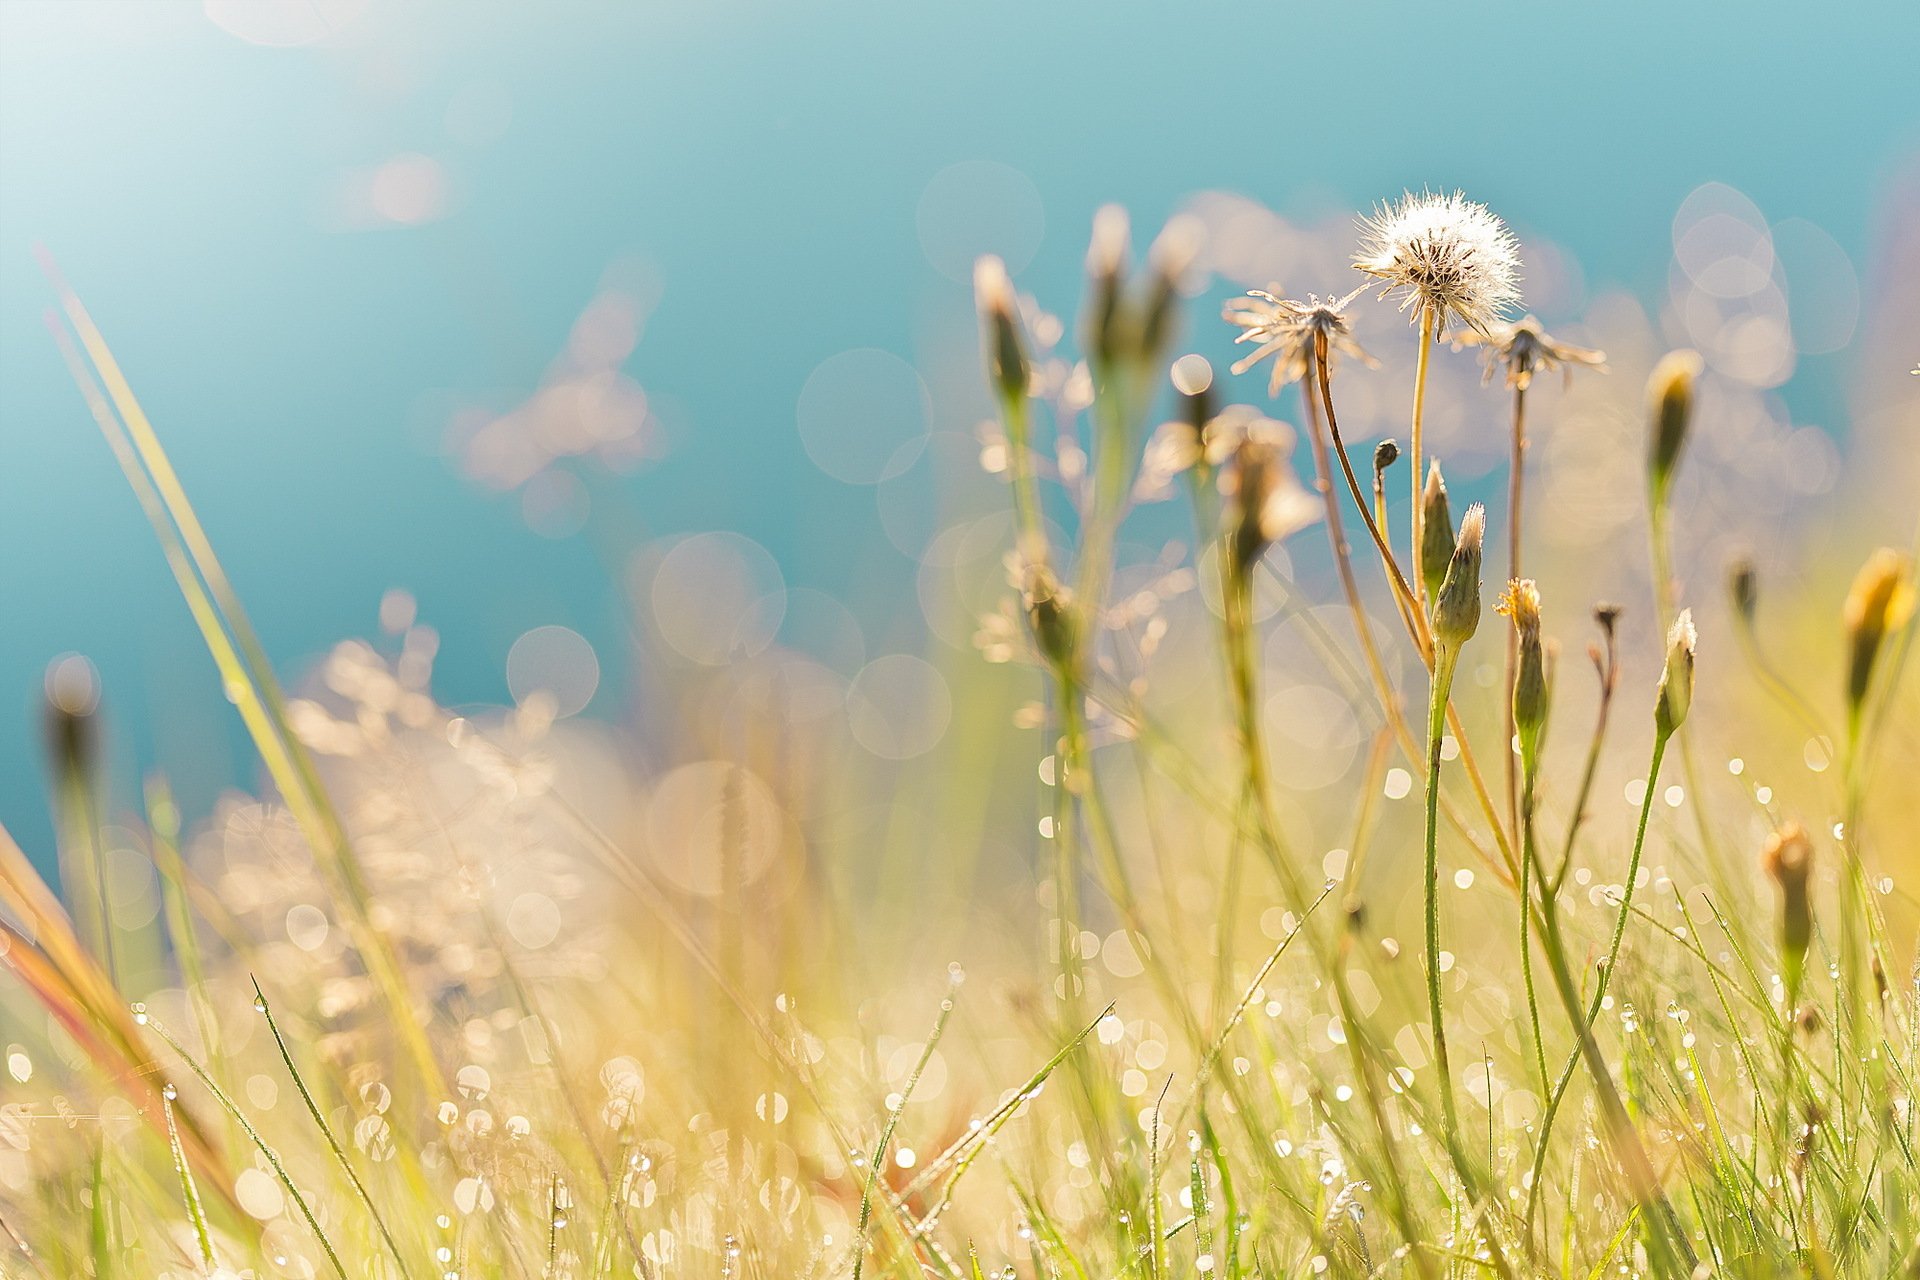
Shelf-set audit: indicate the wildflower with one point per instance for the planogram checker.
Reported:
(1452, 257)
(1524, 348)
(1788, 858)
(1456, 606)
(1006, 351)
(1436, 532)
(1676, 677)
(1670, 397)
(1520, 603)
(1290, 332)
(1881, 601)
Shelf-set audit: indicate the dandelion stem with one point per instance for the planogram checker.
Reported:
(1446, 658)
(1516, 477)
(1416, 473)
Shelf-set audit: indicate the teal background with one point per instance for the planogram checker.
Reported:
(767, 158)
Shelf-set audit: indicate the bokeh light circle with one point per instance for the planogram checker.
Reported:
(718, 596)
(977, 207)
(558, 662)
(857, 410)
(899, 707)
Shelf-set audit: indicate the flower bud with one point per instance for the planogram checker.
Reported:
(1670, 401)
(1880, 603)
(1456, 606)
(1744, 589)
(72, 703)
(1521, 604)
(1049, 609)
(1676, 678)
(1006, 352)
(1106, 273)
(1436, 532)
(1173, 252)
(1788, 858)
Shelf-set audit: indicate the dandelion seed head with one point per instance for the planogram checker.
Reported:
(1288, 332)
(1443, 253)
(1524, 348)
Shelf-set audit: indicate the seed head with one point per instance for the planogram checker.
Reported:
(1670, 403)
(1523, 348)
(1007, 365)
(1456, 606)
(1445, 254)
(1880, 602)
(1289, 332)
(1521, 605)
(1436, 531)
(1676, 677)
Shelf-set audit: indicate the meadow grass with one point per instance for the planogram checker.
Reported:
(475, 996)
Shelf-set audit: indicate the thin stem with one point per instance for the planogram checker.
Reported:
(1516, 477)
(1416, 518)
(1666, 1233)
(1403, 594)
(1445, 660)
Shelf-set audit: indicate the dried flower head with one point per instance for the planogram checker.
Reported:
(1880, 602)
(1676, 677)
(1523, 349)
(1456, 607)
(1447, 254)
(1289, 332)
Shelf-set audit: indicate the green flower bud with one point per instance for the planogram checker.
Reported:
(1676, 678)
(1788, 858)
(1521, 604)
(1106, 276)
(1456, 606)
(1006, 352)
(1436, 532)
(1743, 586)
(1880, 602)
(1670, 399)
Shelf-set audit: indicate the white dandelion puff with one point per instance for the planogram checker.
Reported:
(1446, 254)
